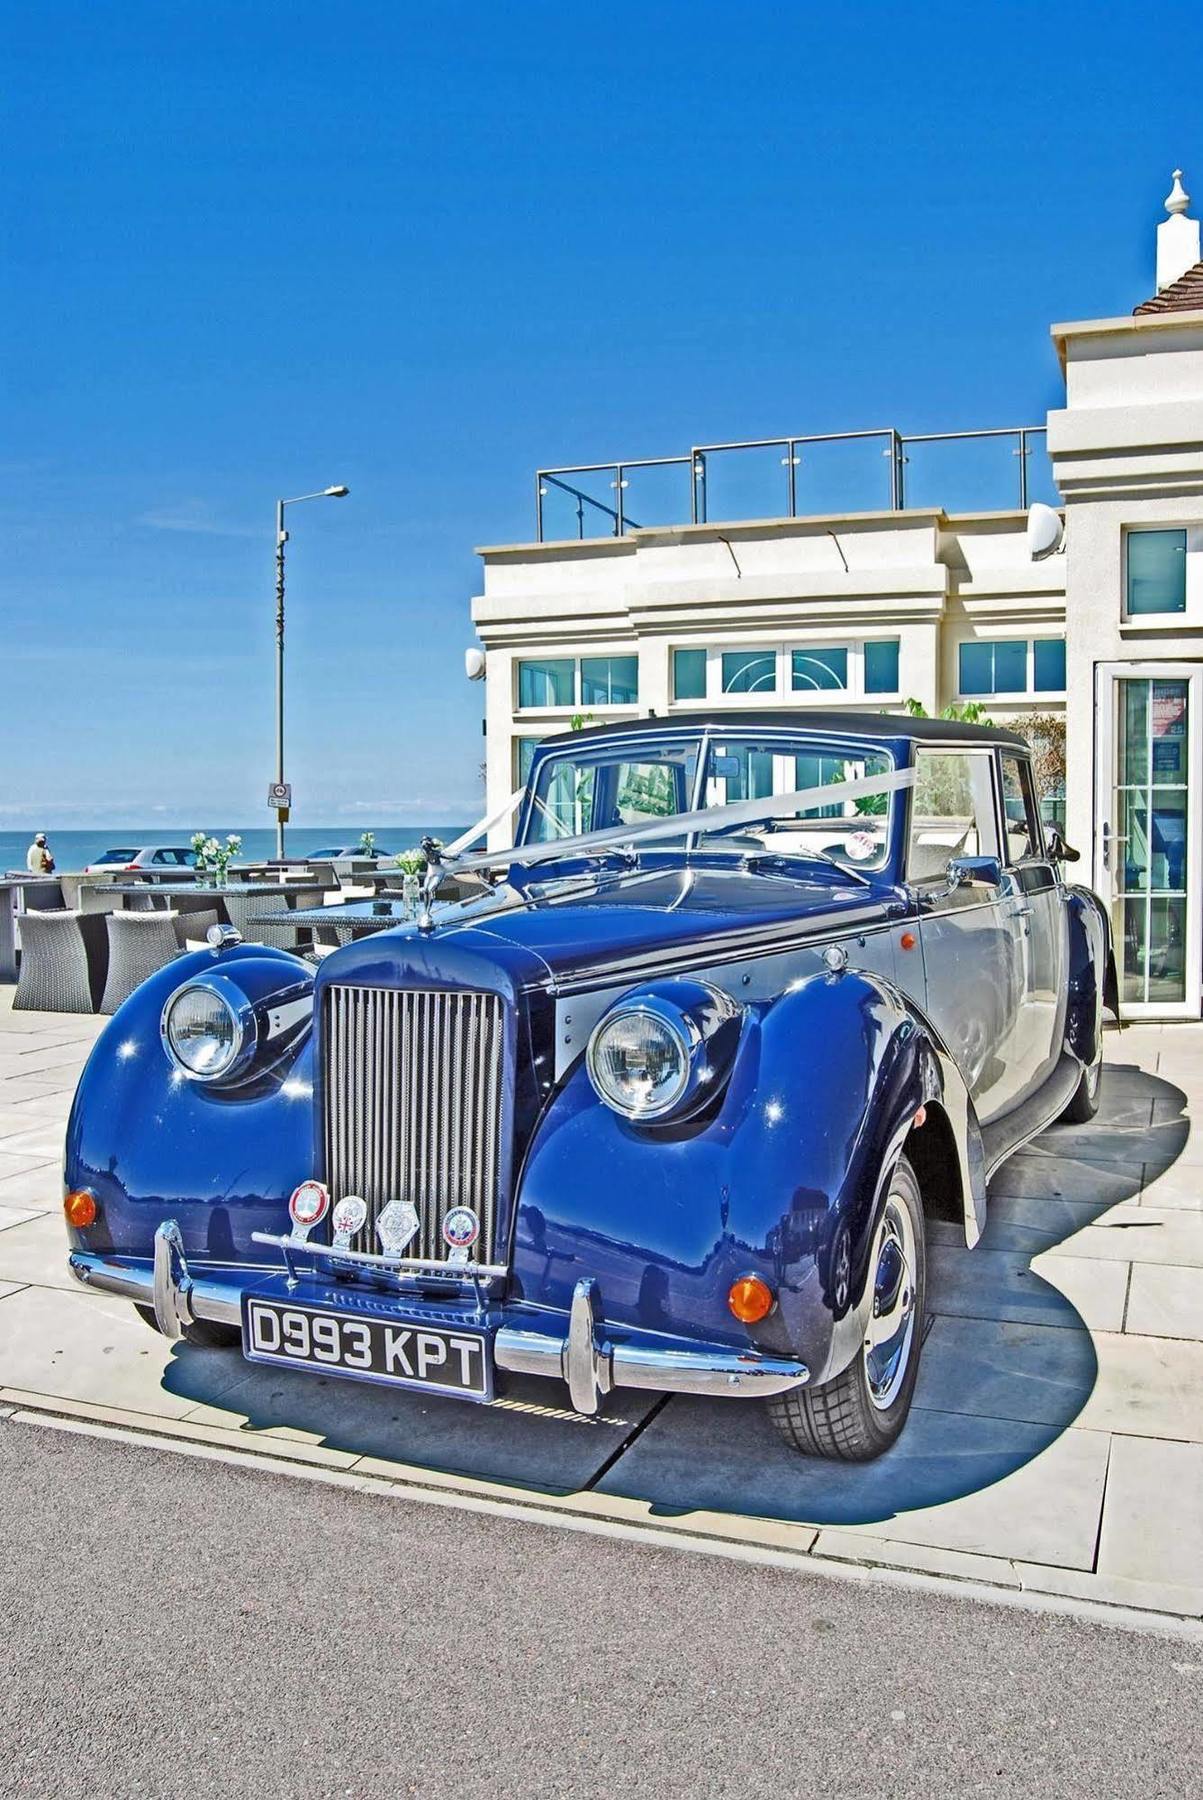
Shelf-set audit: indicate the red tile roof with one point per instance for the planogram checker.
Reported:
(1183, 295)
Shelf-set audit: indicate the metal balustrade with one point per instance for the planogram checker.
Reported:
(600, 517)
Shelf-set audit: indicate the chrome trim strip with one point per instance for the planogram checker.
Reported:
(426, 1265)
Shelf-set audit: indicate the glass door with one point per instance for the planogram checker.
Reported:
(1147, 832)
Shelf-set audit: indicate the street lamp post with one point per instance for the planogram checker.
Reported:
(330, 493)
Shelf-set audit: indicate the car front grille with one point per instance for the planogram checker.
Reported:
(411, 1086)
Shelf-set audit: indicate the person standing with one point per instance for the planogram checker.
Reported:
(38, 859)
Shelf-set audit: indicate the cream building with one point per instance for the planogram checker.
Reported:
(871, 608)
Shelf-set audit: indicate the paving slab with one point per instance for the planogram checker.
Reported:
(1176, 1185)
(9, 1287)
(36, 1251)
(43, 1138)
(1152, 1526)
(17, 1215)
(1040, 1374)
(859, 1547)
(1147, 1387)
(41, 1187)
(1165, 1302)
(530, 1437)
(1142, 1233)
(988, 1486)
(1183, 1601)
(1054, 1174)
(20, 1163)
(1061, 1290)
(93, 1347)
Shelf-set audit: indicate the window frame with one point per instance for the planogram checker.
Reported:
(565, 710)
(1191, 615)
(1029, 691)
(986, 754)
(1027, 780)
(783, 692)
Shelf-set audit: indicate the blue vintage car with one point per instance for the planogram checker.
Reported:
(664, 1105)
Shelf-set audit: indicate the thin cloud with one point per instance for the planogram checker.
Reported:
(193, 516)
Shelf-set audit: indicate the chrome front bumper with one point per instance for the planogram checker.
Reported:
(590, 1366)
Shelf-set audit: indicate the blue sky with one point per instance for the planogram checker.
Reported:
(251, 250)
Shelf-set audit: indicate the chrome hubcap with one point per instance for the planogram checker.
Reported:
(891, 1329)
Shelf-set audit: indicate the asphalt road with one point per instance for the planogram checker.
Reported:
(173, 1627)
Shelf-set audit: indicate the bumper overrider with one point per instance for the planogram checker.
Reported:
(588, 1359)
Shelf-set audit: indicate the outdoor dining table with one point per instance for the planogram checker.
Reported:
(360, 916)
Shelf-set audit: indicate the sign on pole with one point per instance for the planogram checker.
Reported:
(279, 794)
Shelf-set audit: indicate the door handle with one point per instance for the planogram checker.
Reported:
(1106, 845)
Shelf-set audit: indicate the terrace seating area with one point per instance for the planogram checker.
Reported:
(81, 944)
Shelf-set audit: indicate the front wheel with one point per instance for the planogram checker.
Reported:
(207, 1334)
(862, 1412)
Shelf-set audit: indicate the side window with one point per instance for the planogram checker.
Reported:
(952, 811)
(1021, 815)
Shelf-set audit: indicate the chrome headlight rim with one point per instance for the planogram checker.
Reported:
(242, 1014)
(688, 1041)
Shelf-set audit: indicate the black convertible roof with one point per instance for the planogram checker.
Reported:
(894, 726)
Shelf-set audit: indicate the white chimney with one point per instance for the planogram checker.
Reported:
(1177, 237)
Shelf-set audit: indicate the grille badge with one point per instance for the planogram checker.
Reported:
(396, 1226)
(349, 1215)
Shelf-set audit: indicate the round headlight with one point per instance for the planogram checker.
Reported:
(639, 1062)
(205, 1031)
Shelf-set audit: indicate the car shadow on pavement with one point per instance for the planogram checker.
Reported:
(1008, 1365)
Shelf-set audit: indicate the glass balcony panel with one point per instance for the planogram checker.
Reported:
(963, 474)
(845, 475)
(579, 506)
(744, 484)
(657, 496)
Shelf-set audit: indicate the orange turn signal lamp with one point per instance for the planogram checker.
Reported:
(81, 1208)
(751, 1299)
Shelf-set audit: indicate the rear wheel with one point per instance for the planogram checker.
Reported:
(207, 1334)
(861, 1413)
(1085, 1103)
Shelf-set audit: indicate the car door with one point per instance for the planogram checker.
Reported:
(973, 970)
(1037, 906)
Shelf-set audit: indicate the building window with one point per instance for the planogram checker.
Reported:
(817, 669)
(1156, 572)
(588, 681)
(524, 756)
(1010, 666)
(1048, 665)
(609, 680)
(749, 672)
(881, 667)
(547, 683)
(689, 674)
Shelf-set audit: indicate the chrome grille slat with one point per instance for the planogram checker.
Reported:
(412, 1084)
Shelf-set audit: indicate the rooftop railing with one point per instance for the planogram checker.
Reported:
(792, 477)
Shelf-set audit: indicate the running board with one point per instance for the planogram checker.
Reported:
(1003, 1137)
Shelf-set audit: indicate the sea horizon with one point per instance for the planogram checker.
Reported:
(73, 849)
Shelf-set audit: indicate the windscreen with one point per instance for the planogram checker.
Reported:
(606, 787)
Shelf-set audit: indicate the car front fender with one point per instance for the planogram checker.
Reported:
(783, 1176)
(150, 1143)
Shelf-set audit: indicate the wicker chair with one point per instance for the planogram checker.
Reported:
(139, 945)
(191, 926)
(63, 958)
(44, 896)
(243, 909)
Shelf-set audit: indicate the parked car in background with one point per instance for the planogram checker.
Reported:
(669, 1106)
(349, 853)
(146, 856)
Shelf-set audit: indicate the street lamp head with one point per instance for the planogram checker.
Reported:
(337, 493)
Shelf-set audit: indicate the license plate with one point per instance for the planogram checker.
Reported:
(367, 1347)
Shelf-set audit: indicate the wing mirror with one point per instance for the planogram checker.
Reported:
(974, 871)
(1058, 849)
